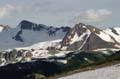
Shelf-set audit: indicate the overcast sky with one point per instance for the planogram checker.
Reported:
(101, 13)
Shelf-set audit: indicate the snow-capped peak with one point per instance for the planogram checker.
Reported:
(87, 37)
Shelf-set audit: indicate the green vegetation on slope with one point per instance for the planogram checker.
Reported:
(83, 61)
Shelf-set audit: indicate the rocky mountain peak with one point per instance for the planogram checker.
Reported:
(78, 32)
(82, 26)
(27, 25)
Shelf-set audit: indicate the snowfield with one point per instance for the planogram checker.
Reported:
(111, 72)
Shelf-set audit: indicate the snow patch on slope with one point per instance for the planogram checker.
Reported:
(1, 29)
(117, 30)
(105, 37)
(116, 37)
(45, 45)
(77, 38)
(88, 34)
(112, 72)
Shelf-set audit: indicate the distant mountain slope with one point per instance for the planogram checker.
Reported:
(29, 33)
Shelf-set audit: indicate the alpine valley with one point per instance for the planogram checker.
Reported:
(32, 48)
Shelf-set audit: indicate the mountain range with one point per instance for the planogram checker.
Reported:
(30, 41)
